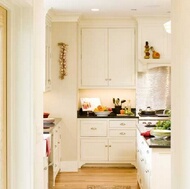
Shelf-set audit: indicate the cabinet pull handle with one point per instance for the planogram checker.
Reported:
(55, 146)
(49, 81)
(93, 128)
(122, 133)
(147, 151)
(146, 171)
(122, 124)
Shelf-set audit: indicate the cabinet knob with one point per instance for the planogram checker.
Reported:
(122, 133)
(122, 124)
(142, 159)
(109, 145)
(147, 151)
(93, 128)
(49, 81)
(147, 171)
(108, 79)
(45, 168)
(106, 145)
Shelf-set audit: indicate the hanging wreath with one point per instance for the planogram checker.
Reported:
(62, 60)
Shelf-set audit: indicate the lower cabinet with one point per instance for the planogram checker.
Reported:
(45, 160)
(55, 157)
(107, 141)
(153, 166)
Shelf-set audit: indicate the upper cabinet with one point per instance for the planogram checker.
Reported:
(107, 57)
(48, 55)
(153, 31)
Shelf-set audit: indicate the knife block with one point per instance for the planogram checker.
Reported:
(117, 109)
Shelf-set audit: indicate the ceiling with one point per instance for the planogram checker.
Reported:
(110, 8)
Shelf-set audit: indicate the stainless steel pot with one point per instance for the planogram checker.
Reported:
(148, 111)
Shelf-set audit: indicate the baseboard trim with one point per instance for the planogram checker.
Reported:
(69, 166)
(119, 165)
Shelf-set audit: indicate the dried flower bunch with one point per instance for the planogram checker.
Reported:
(62, 60)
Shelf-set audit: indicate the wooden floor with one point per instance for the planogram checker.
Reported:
(97, 176)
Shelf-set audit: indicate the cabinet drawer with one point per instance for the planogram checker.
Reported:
(123, 123)
(93, 128)
(122, 132)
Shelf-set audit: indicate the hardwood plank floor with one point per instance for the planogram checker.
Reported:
(97, 176)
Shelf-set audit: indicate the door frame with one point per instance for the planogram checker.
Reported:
(25, 59)
(3, 144)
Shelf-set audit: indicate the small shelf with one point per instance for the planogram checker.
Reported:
(145, 64)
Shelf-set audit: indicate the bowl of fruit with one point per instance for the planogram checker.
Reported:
(102, 111)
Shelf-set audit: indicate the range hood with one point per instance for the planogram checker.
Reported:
(145, 64)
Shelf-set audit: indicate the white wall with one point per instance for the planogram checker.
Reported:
(180, 94)
(61, 101)
(106, 96)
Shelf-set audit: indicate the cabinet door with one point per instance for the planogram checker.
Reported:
(94, 57)
(122, 149)
(121, 57)
(94, 149)
(45, 172)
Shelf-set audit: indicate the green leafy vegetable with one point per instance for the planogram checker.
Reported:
(163, 125)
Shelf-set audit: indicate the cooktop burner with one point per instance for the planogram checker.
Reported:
(143, 115)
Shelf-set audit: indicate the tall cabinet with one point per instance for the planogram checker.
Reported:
(107, 57)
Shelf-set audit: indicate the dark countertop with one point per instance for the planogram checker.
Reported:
(81, 114)
(48, 127)
(152, 141)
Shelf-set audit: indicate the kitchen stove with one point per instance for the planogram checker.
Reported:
(151, 120)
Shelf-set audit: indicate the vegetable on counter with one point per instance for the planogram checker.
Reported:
(163, 125)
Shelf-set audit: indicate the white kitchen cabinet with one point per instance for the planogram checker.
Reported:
(48, 55)
(55, 156)
(152, 30)
(153, 166)
(107, 58)
(45, 161)
(122, 150)
(107, 141)
(94, 149)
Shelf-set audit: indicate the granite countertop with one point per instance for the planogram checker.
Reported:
(81, 114)
(48, 127)
(152, 141)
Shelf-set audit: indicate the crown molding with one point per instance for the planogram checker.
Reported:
(57, 16)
